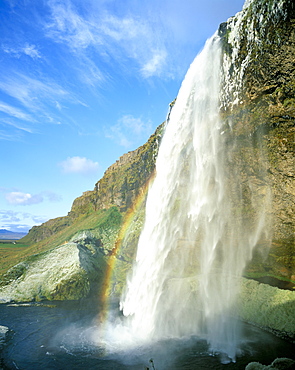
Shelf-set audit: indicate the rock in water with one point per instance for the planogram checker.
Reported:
(277, 364)
(3, 335)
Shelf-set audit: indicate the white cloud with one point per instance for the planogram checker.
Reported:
(31, 51)
(9, 216)
(128, 130)
(24, 199)
(43, 99)
(17, 221)
(28, 49)
(68, 26)
(51, 197)
(120, 38)
(155, 64)
(19, 198)
(119, 29)
(15, 112)
(115, 133)
(16, 124)
(78, 33)
(134, 125)
(138, 40)
(31, 92)
(58, 106)
(80, 165)
(15, 130)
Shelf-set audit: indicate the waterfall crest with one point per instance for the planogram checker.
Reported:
(194, 245)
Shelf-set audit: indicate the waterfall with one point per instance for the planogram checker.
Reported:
(194, 244)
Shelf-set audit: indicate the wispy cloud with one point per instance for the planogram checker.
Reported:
(31, 92)
(42, 101)
(31, 51)
(112, 37)
(24, 199)
(95, 45)
(18, 125)
(9, 136)
(27, 49)
(8, 216)
(155, 65)
(17, 221)
(79, 165)
(68, 26)
(128, 130)
(15, 112)
(138, 40)
(15, 131)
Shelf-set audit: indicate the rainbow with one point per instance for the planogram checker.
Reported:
(128, 217)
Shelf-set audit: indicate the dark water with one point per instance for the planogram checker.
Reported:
(63, 337)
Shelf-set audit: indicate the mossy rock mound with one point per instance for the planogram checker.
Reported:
(67, 272)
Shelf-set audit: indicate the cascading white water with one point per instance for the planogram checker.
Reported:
(193, 246)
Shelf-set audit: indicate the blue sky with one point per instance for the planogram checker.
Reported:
(83, 82)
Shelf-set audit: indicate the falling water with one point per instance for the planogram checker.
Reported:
(194, 246)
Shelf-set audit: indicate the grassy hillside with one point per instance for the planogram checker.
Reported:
(102, 210)
(104, 223)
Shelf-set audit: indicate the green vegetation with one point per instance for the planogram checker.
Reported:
(15, 245)
(262, 152)
(106, 213)
(104, 223)
(10, 252)
(121, 183)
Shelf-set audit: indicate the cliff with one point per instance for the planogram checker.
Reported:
(258, 109)
(258, 106)
(119, 187)
(101, 211)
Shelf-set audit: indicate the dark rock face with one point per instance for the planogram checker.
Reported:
(261, 115)
(5, 333)
(122, 181)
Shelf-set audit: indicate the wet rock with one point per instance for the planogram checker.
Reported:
(277, 364)
(3, 336)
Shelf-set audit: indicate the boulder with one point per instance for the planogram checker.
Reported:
(277, 364)
(67, 272)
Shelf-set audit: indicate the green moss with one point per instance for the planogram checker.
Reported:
(14, 273)
(75, 288)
